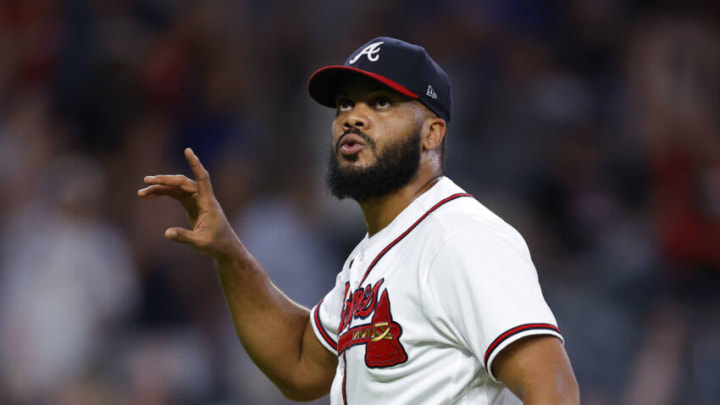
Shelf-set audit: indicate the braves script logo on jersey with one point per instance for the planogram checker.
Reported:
(372, 52)
(380, 336)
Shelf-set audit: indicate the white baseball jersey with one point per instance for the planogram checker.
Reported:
(421, 309)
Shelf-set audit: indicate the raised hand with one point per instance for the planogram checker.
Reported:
(211, 232)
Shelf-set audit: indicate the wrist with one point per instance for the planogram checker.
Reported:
(233, 253)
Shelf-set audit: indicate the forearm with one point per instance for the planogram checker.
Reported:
(275, 331)
(269, 325)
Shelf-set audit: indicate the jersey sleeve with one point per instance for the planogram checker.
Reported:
(483, 287)
(325, 316)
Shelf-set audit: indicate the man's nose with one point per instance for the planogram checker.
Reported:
(357, 117)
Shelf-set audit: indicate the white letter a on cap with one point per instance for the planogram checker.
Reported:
(371, 51)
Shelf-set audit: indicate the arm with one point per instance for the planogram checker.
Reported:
(275, 331)
(538, 371)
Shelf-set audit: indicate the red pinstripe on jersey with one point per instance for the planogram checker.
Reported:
(344, 381)
(407, 231)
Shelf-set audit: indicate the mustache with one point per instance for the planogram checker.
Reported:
(357, 132)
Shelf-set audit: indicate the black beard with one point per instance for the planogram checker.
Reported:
(396, 165)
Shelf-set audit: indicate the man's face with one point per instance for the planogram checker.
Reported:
(376, 138)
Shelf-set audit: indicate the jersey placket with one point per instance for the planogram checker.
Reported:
(363, 269)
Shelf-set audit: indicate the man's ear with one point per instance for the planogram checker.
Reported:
(434, 133)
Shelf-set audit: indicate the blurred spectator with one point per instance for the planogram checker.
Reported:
(67, 280)
(277, 229)
(673, 67)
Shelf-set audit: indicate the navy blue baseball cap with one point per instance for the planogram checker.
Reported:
(401, 66)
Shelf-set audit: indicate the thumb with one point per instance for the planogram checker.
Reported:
(180, 235)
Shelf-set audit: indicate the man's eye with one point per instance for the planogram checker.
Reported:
(382, 102)
(344, 104)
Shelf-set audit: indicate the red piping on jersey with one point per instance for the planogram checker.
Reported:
(344, 393)
(407, 231)
(322, 330)
(514, 331)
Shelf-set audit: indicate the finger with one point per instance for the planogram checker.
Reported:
(188, 186)
(172, 180)
(158, 190)
(181, 235)
(162, 178)
(201, 175)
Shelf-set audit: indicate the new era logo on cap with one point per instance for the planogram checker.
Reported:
(431, 92)
(401, 66)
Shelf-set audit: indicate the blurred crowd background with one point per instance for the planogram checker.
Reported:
(592, 126)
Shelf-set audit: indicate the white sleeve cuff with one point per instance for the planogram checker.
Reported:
(513, 335)
(325, 337)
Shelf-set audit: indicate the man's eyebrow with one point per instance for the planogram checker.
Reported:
(369, 92)
(340, 95)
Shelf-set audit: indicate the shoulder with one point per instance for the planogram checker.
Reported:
(467, 222)
(468, 241)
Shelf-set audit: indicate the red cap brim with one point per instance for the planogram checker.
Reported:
(325, 83)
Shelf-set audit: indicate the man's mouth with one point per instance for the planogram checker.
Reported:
(351, 144)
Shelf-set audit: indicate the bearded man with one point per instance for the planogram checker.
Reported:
(438, 304)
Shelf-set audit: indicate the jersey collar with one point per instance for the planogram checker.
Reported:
(442, 189)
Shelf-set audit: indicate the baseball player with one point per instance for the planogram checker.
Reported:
(438, 304)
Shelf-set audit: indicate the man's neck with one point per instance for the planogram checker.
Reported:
(379, 212)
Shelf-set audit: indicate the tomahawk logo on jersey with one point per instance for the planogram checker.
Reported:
(421, 309)
(381, 336)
